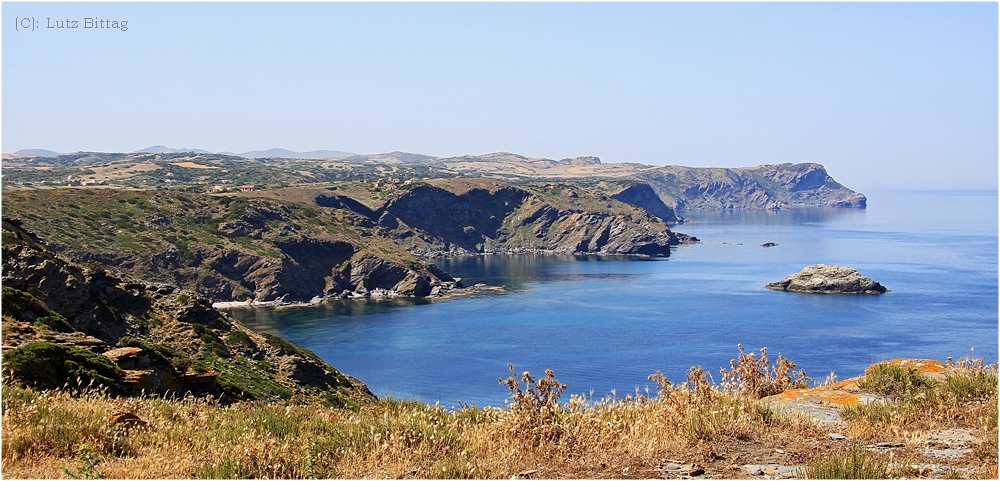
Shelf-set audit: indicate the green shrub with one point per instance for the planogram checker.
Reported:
(237, 337)
(880, 412)
(210, 343)
(46, 365)
(855, 463)
(55, 322)
(289, 348)
(243, 381)
(894, 381)
(25, 307)
(177, 359)
(87, 465)
(978, 384)
(18, 304)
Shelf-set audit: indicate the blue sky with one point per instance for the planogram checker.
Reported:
(887, 95)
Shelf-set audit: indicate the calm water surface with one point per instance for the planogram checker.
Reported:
(605, 324)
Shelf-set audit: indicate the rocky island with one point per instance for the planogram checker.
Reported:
(825, 279)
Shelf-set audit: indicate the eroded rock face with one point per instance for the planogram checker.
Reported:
(825, 279)
(643, 196)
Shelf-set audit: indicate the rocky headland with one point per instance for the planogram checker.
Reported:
(825, 279)
(302, 245)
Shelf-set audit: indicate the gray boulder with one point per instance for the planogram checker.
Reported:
(824, 279)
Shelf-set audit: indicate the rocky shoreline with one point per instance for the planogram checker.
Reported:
(377, 294)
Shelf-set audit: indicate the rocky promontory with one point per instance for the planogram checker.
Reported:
(824, 279)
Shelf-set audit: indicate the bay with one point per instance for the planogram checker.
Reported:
(604, 324)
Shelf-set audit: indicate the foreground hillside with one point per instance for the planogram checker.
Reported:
(65, 325)
(348, 239)
(922, 429)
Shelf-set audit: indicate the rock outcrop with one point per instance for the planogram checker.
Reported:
(825, 279)
(824, 402)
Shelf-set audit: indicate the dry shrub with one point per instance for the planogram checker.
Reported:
(756, 377)
(705, 413)
(534, 407)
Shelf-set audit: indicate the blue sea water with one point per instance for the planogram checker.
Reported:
(604, 324)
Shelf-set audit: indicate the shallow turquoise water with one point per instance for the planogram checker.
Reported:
(605, 324)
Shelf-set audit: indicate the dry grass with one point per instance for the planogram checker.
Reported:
(535, 436)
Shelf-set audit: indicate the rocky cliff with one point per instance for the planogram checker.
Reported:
(468, 216)
(66, 323)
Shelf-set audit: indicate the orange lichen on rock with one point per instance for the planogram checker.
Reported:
(827, 395)
(819, 401)
(847, 385)
(840, 398)
(926, 366)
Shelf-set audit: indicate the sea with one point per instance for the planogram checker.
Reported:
(604, 324)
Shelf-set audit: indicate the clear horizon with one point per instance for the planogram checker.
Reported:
(886, 96)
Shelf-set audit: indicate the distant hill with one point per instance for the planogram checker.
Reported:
(395, 157)
(288, 154)
(162, 149)
(38, 153)
(775, 186)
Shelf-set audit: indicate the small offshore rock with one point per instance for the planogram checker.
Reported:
(825, 279)
(769, 244)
